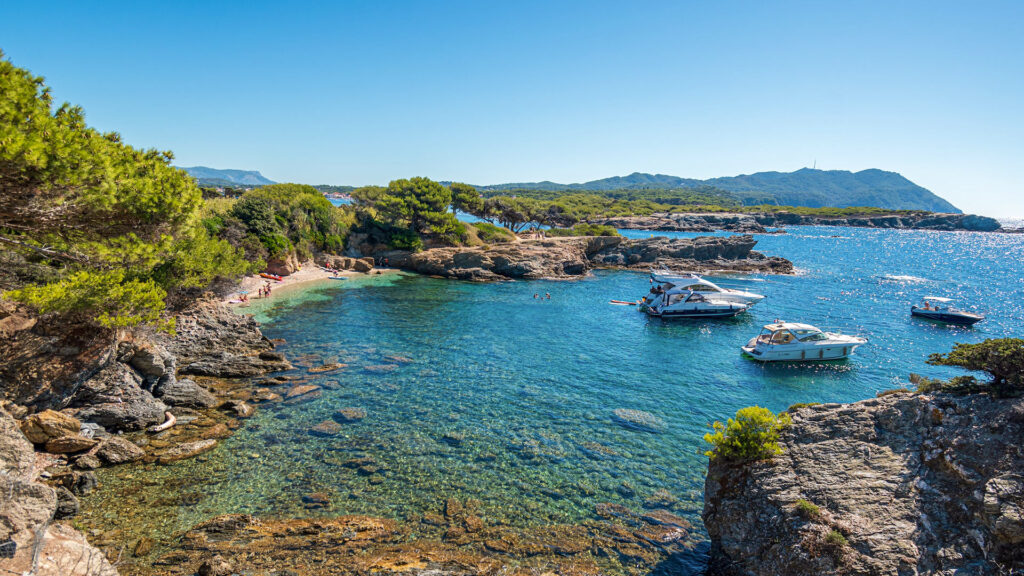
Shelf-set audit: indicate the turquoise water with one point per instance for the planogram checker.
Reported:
(506, 399)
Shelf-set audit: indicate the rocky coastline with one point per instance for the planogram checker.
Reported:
(758, 223)
(566, 258)
(85, 399)
(901, 484)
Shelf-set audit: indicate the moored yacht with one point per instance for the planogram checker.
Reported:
(792, 342)
(677, 303)
(667, 281)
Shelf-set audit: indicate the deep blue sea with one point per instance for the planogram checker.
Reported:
(508, 400)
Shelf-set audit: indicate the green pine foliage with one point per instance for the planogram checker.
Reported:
(752, 435)
(584, 230)
(90, 227)
(1001, 358)
(107, 298)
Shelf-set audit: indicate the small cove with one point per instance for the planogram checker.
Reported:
(481, 392)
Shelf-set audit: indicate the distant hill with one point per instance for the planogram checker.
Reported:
(805, 187)
(217, 177)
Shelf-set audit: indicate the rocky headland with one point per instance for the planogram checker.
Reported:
(562, 258)
(759, 222)
(900, 484)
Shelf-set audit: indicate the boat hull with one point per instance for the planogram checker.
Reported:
(671, 314)
(963, 319)
(782, 353)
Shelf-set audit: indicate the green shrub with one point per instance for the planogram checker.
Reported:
(835, 539)
(752, 435)
(403, 239)
(800, 405)
(584, 230)
(807, 510)
(491, 234)
(276, 244)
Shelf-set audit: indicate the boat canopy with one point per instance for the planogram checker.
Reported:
(789, 326)
(937, 298)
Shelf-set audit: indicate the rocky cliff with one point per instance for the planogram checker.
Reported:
(901, 484)
(757, 222)
(573, 257)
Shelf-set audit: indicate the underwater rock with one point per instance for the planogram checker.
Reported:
(186, 450)
(143, 547)
(216, 432)
(316, 500)
(381, 368)
(349, 415)
(265, 395)
(329, 367)
(326, 428)
(638, 420)
(300, 390)
(662, 498)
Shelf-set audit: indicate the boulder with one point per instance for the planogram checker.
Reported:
(283, 266)
(187, 393)
(362, 264)
(114, 398)
(67, 504)
(48, 425)
(117, 450)
(186, 450)
(69, 444)
(300, 390)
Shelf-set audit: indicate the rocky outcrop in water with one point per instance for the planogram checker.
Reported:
(901, 484)
(756, 222)
(574, 257)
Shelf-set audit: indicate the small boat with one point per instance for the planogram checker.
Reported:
(335, 277)
(792, 342)
(677, 303)
(666, 281)
(270, 276)
(941, 310)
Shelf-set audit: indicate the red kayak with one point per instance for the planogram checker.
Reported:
(271, 276)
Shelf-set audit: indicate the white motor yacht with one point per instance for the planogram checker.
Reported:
(791, 342)
(677, 303)
(667, 281)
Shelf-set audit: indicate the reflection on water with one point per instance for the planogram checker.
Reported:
(480, 392)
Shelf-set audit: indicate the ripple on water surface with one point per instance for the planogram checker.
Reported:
(481, 392)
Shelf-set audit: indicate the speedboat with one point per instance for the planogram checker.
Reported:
(941, 309)
(677, 303)
(792, 342)
(667, 281)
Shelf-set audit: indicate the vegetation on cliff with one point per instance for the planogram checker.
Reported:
(752, 435)
(1001, 358)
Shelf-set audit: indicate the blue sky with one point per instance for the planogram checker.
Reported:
(488, 92)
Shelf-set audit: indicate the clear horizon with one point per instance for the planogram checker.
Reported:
(361, 92)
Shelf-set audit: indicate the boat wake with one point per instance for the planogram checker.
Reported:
(904, 279)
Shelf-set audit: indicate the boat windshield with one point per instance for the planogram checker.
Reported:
(810, 335)
(781, 337)
(702, 288)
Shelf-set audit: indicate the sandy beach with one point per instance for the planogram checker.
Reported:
(310, 272)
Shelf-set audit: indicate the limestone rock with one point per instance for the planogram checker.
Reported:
(326, 428)
(49, 424)
(916, 483)
(117, 450)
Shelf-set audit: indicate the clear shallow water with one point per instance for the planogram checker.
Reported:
(507, 400)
